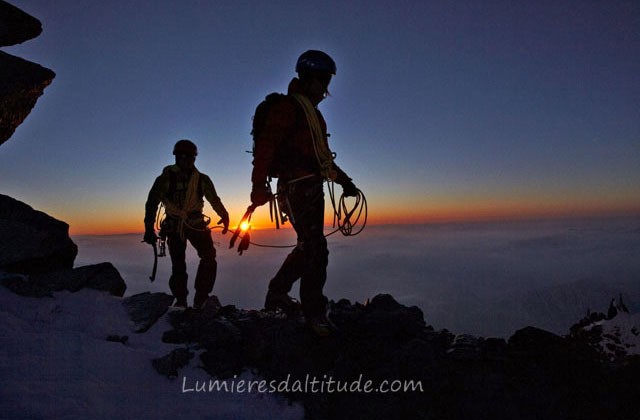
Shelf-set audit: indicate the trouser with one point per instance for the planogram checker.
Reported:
(206, 274)
(303, 202)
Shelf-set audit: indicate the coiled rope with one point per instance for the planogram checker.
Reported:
(183, 223)
(324, 156)
(348, 221)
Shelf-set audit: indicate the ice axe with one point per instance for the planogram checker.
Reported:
(152, 277)
(155, 262)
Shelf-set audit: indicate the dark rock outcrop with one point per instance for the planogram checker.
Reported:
(16, 26)
(535, 374)
(144, 309)
(102, 276)
(21, 82)
(32, 241)
(612, 336)
(169, 364)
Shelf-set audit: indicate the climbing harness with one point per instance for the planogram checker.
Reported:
(160, 246)
(192, 204)
(345, 220)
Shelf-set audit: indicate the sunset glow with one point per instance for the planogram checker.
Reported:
(380, 213)
(444, 113)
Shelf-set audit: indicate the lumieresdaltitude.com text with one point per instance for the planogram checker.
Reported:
(310, 384)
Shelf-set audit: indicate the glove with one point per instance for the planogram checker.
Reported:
(260, 195)
(349, 189)
(150, 237)
(225, 223)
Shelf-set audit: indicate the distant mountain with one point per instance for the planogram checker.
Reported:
(553, 308)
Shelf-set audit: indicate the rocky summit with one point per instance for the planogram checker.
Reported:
(533, 374)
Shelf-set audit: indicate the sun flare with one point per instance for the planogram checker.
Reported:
(244, 226)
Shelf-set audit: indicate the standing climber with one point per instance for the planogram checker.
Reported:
(180, 188)
(290, 139)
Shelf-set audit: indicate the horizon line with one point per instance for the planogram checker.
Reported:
(452, 221)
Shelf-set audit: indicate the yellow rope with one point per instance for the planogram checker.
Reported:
(320, 144)
(192, 203)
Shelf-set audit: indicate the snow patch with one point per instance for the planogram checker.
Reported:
(56, 362)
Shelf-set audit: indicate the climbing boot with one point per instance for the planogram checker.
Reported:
(321, 325)
(180, 302)
(282, 301)
(199, 300)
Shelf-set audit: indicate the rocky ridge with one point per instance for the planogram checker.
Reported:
(533, 374)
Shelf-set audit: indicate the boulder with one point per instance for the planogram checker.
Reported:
(102, 276)
(16, 26)
(21, 84)
(32, 241)
(144, 309)
(168, 365)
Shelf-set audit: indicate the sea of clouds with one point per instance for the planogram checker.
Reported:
(487, 279)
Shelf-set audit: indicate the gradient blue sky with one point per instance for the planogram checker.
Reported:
(439, 110)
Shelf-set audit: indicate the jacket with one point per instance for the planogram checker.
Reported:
(172, 185)
(286, 137)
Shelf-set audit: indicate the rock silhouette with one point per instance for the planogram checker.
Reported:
(534, 374)
(21, 82)
(33, 242)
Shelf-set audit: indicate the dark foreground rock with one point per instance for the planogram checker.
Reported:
(16, 26)
(144, 309)
(533, 375)
(32, 241)
(103, 276)
(169, 364)
(21, 82)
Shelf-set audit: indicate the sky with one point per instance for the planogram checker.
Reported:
(439, 111)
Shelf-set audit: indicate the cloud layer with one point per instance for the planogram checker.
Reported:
(485, 279)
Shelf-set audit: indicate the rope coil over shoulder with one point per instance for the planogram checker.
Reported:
(320, 144)
(192, 203)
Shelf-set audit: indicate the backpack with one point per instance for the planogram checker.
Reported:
(259, 122)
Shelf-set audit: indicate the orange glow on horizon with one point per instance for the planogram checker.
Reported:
(389, 214)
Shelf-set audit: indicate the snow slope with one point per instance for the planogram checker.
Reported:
(55, 362)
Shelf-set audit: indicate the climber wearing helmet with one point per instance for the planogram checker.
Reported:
(291, 144)
(180, 188)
